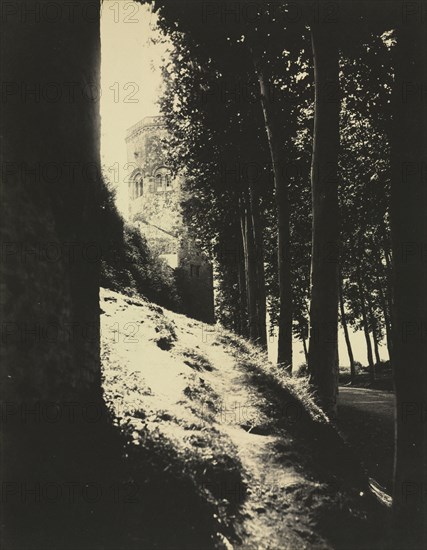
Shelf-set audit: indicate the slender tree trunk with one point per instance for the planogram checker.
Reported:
(386, 313)
(259, 265)
(368, 348)
(389, 267)
(284, 356)
(252, 277)
(243, 308)
(304, 343)
(389, 338)
(384, 273)
(409, 235)
(323, 347)
(248, 288)
(346, 334)
(250, 273)
(389, 279)
(366, 331)
(374, 326)
(385, 243)
(376, 347)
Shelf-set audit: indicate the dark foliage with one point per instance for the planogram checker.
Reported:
(127, 261)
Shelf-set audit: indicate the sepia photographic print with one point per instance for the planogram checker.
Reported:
(213, 275)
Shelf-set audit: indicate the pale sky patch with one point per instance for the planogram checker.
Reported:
(130, 80)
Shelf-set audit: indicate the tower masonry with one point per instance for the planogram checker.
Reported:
(155, 195)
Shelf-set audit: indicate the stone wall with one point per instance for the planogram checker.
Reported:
(50, 173)
(50, 356)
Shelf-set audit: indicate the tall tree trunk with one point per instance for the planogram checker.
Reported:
(304, 343)
(374, 326)
(386, 313)
(259, 264)
(384, 274)
(409, 235)
(389, 279)
(368, 348)
(346, 333)
(323, 346)
(243, 307)
(365, 323)
(386, 249)
(376, 347)
(250, 273)
(284, 356)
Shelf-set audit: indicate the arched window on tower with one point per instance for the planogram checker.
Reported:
(162, 178)
(137, 186)
(159, 182)
(140, 186)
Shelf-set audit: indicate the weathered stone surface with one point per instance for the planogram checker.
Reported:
(155, 194)
(50, 174)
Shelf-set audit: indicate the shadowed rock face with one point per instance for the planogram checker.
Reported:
(50, 165)
(50, 310)
(49, 269)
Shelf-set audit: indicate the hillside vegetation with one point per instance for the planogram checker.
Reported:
(128, 263)
(220, 446)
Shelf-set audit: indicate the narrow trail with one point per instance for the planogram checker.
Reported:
(267, 521)
(179, 382)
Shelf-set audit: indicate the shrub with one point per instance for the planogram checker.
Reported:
(358, 367)
(128, 264)
(302, 371)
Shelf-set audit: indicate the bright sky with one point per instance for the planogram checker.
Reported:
(130, 80)
(130, 84)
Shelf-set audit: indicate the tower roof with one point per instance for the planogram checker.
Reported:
(146, 122)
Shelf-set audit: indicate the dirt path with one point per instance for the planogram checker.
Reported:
(177, 381)
(268, 518)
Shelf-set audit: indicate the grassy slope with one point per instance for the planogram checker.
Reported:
(221, 449)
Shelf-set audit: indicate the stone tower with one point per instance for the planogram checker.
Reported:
(154, 206)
